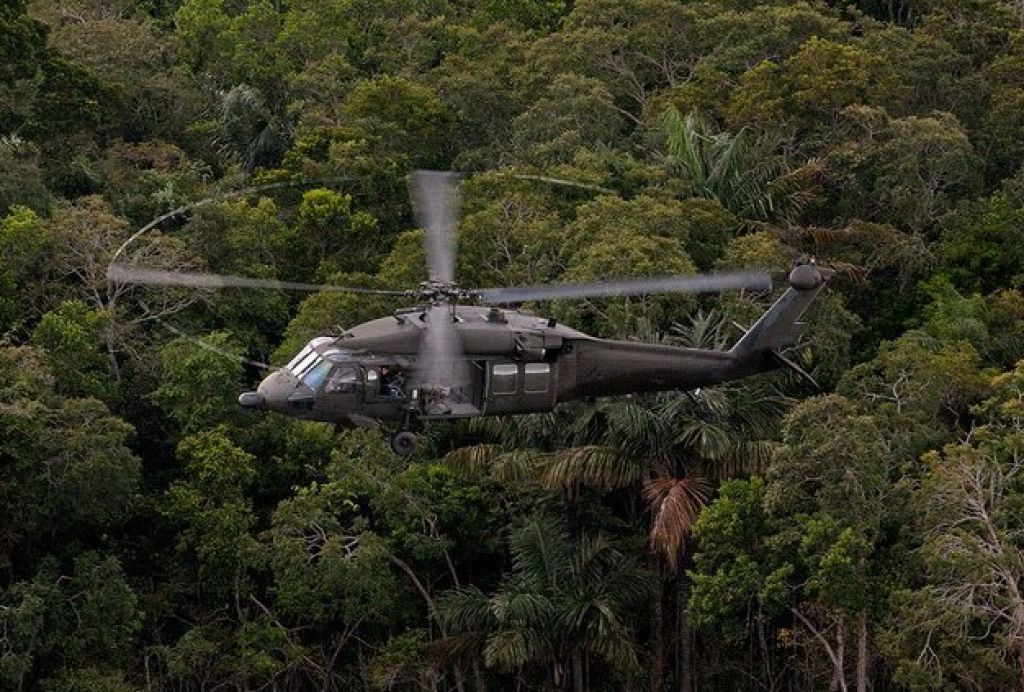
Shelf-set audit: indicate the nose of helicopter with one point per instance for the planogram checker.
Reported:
(272, 394)
(252, 400)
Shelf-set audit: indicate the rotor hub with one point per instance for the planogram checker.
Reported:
(440, 292)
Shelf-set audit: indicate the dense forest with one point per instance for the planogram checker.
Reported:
(760, 535)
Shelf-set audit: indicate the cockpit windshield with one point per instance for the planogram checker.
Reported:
(316, 360)
(294, 362)
(315, 375)
(304, 363)
(310, 355)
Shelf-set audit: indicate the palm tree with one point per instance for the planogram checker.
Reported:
(668, 448)
(739, 170)
(565, 606)
(252, 131)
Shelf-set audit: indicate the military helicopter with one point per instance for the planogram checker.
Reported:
(458, 354)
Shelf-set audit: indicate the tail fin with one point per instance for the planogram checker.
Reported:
(779, 327)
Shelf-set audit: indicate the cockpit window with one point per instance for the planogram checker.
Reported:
(309, 355)
(343, 379)
(314, 378)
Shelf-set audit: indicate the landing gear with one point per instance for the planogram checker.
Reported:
(403, 443)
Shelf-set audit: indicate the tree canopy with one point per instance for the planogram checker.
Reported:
(760, 535)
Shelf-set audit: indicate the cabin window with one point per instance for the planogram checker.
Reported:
(537, 377)
(343, 379)
(503, 378)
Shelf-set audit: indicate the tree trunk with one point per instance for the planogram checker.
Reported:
(577, 672)
(766, 654)
(862, 652)
(478, 676)
(115, 369)
(840, 659)
(1020, 663)
(835, 653)
(657, 658)
(685, 635)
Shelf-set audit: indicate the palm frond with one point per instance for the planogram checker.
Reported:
(739, 170)
(455, 648)
(465, 610)
(525, 607)
(616, 646)
(474, 460)
(594, 554)
(704, 330)
(541, 551)
(706, 439)
(686, 143)
(507, 649)
(593, 465)
(675, 504)
(518, 466)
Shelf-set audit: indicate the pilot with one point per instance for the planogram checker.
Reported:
(391, 382)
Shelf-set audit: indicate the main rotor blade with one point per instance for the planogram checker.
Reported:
(435, 199)
(159, 277)
(691, 283)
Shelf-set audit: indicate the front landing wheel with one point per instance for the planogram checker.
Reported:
(403, 443)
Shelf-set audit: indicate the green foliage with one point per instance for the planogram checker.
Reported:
(573, 112)
(25, 245)
(500, 244)
(146, 179)
(21, 179)
(399, 116)
(560, 600)
(533, 14)
(88, 680)
(330, 231)
(212, 505)
(924, 387)
(621, 255)
(733, 570)
(85, 616)
(810, 90)
(968, 503)
(982, 248)
(238, 236)
(739, 171)
(883, 138)
(324, 567)
(71, 337)
(198, 384)
(903, 171)
(66, 465)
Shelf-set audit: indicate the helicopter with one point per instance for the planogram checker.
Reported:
(457, 353)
